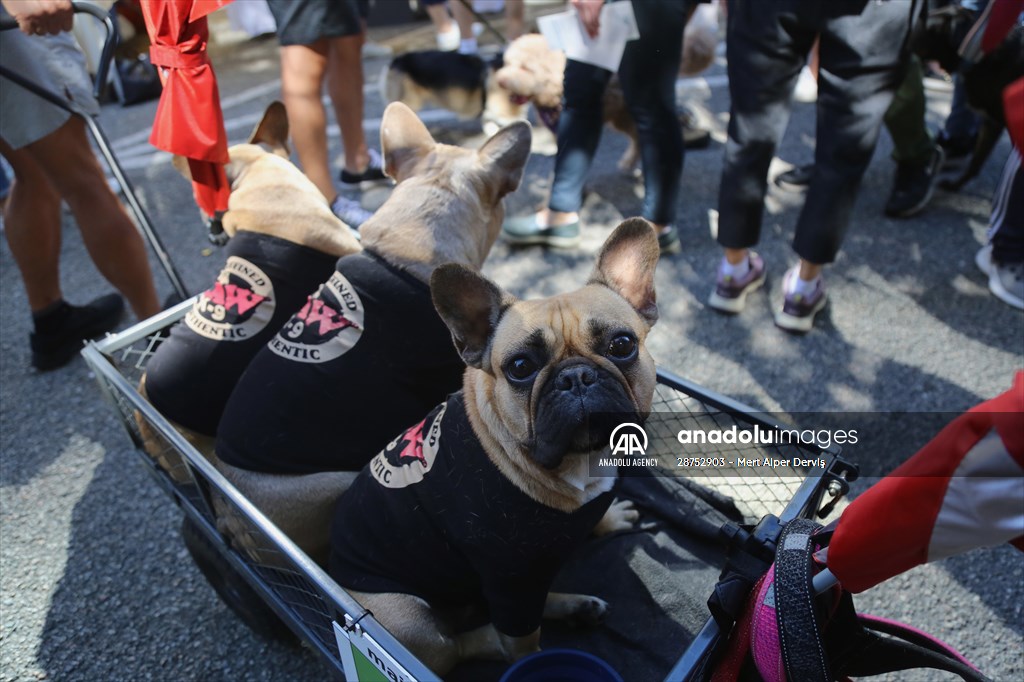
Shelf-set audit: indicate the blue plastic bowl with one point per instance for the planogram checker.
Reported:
(561, 665)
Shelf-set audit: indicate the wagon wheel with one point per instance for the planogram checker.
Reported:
(232, 588)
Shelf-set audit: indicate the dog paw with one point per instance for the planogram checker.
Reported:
(621, 515)
(589, 611)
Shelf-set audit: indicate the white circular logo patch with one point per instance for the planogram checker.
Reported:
(408, 458)
(327, 326)
(238, 306)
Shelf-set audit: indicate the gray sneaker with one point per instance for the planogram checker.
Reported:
(1005, 280)
(730, 294)
(798, 311)
(350, 211)
(524, 230)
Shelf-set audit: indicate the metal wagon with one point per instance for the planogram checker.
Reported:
(293, 596)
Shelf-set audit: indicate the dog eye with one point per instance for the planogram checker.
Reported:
(521, 368)
(622, 347)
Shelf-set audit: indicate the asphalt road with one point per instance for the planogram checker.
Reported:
(96, 585)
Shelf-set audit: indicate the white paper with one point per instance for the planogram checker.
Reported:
(564, 31)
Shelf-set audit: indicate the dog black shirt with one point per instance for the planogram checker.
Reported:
(364, 358)
(264, 281)
(432, 516)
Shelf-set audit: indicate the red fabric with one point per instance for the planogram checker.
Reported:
(189, 121)
(1013, 106)
(887, 530)
(1003, 16)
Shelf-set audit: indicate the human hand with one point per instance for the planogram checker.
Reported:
(41, 17)
(589, 12)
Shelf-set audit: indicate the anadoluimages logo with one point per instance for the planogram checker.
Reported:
(238, 306)
(327, 326)
(628, 439)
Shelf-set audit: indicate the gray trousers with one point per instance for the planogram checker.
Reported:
(864, 50)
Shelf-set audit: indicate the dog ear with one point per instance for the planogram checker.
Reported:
(272, 130)
(627, 263)
(403, 140)
(471, 305)
(506, 153)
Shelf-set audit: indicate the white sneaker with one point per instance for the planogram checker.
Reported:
(448, 41)
(1005, 280)
(806, 86)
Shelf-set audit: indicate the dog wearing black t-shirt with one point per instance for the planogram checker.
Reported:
(367, 355)
(283, 242)
(481, 502)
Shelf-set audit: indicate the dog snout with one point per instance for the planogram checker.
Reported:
(576, 379)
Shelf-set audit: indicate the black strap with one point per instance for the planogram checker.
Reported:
(856, 650)
(800, 640)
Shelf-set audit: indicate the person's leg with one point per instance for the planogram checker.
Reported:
(766, 49)
(345, 85)
(464, 18)
(302, 75)
(579, 132)
(515, 19)
(861, 66)
(32, 228)
(905, 118)
(647, 74)
(917, 156)
(113, 242)
(1002, 259)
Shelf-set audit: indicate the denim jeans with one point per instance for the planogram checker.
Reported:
(647, 75)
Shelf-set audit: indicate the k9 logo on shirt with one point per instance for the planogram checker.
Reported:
(326, 327)
(238, 306)
(408, 458)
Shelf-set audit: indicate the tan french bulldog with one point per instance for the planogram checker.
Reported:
(485, 498)
(367, 355)
(283, 242)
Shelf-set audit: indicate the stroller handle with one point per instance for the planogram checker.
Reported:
(8, 23)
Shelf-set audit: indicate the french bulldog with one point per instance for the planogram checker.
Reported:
(481, 502)
(367, 354)
(283, 242)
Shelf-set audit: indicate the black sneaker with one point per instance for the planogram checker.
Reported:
(668, 242)
(795, 179)
(914, 186)
(956, 149)
(59, 334)
(373, 175)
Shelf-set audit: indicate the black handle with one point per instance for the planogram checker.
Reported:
(8, 23)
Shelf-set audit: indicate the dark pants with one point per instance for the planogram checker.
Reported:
(863, 54)
(1006, 226)
(647, 75)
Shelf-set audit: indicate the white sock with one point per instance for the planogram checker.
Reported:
(467, 46)
(737, 271)
(802, 286)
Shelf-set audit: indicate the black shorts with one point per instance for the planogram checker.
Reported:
(303, 22)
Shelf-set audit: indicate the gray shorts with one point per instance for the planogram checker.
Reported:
(55, 63)
(303, 22)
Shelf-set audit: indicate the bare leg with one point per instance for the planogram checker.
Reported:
(32, 228)
(113, 243)
(515, 24)
(808, 270)
(735, 256)
(302, 76)
(439, 17)
(464, 18)
(345, 84)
